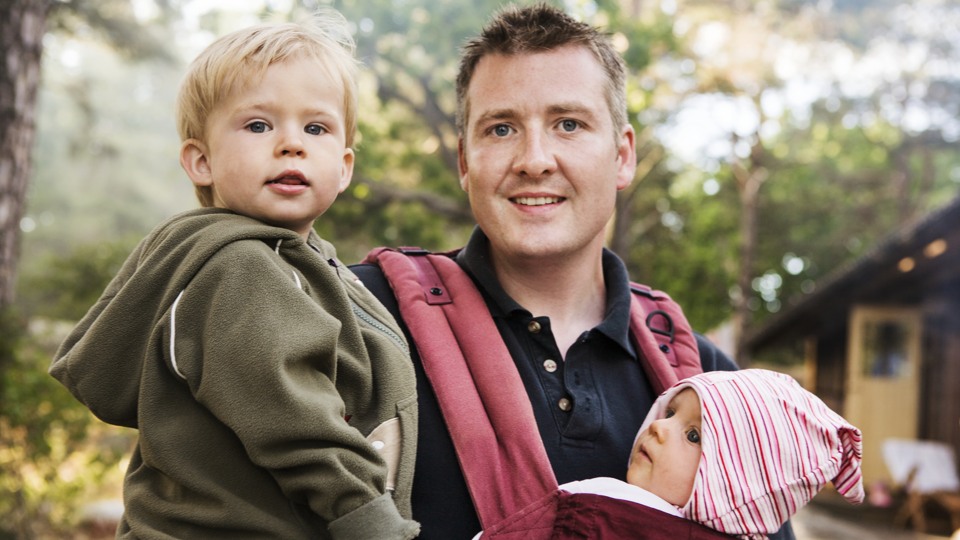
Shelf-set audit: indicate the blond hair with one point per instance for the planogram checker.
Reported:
(239, 59)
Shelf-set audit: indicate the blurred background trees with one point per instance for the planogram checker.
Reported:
(777, 139)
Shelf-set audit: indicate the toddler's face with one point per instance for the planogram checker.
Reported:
(666, 455)
(275, 151)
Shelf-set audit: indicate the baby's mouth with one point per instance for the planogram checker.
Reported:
(643, 452)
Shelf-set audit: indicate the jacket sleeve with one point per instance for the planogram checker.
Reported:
(262, 357)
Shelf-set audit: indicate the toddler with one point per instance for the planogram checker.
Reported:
(274, 396)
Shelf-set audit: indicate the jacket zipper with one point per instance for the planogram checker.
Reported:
(364, 316)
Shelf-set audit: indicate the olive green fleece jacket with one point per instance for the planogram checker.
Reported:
(270, 389)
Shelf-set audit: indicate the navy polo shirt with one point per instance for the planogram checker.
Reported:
(588, 406)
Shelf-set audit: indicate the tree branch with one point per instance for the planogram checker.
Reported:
(382, 193)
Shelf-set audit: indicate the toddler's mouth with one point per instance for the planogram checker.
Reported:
(289, 178)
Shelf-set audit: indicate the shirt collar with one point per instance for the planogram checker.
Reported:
(475, 259)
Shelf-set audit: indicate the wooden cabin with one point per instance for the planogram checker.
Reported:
(880, 338)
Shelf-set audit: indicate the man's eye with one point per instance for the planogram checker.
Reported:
(569, 125)
(257, 127)
(693, 436)
(315, 129)
(501, 130)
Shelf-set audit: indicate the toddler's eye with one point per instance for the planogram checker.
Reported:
(257, 127)
(693, 436)
(668, 413)
(315, 129)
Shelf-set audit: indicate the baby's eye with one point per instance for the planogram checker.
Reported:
(315, 129)
(258, 126)
(668, 413)
(693, 436)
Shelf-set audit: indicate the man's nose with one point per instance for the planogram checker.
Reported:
(536, 159)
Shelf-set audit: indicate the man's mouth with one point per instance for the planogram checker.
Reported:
(537, 201)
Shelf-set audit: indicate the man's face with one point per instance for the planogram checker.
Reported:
(540, 159)
(666, 455)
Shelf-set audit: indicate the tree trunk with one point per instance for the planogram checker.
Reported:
(624, 231)
(749, 181)
(22, 26)
(749, 198)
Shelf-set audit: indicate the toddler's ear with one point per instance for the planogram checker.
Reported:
(346, 171)
(194, 160)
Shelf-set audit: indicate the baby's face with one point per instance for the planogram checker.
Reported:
(666, 455)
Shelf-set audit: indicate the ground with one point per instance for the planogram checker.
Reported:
(828, 517)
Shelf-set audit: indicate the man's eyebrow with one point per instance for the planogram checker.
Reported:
(553, 110)
(571, 108)
(496, 114)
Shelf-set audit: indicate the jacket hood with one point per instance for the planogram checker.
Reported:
(101, 360)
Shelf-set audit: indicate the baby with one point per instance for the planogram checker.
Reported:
(736, 451)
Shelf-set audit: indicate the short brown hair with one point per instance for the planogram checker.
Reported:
(239, 59)
(539, 28)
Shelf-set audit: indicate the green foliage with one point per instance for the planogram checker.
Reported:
(52, 451)
(65, 286)
(106, 159)
(114, 22)
(409, 139)
(842, 173)
(689, 247)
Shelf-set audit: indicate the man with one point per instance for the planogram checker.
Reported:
(544, 147)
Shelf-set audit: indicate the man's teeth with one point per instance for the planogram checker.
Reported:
(537, 201)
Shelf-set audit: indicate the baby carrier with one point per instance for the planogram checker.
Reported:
(508, 475)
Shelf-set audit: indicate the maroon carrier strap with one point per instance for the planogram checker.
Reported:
(477, 385)
(597, 517)
(662, 334)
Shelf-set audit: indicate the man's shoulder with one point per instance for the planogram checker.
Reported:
(712, 358)
(372, 275)
(367, 270)
(373, 278)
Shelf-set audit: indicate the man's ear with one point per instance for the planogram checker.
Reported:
(462, 162)
(626, 158)
(196, 162)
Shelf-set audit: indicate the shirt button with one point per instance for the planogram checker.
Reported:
(533, 327)
(550, 365)
(565, 404)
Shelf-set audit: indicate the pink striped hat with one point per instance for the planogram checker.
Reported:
(768, 447)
